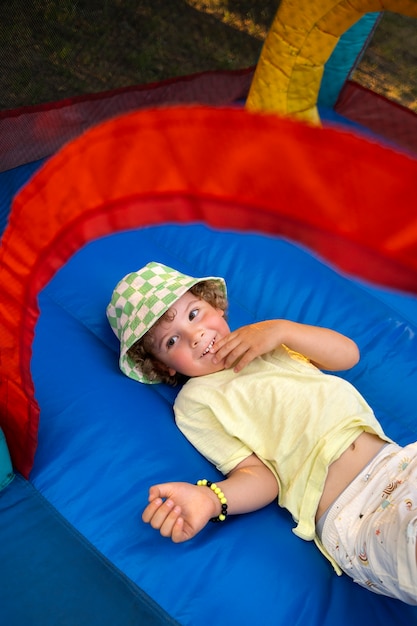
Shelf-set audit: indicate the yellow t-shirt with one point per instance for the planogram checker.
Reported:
(294, 417)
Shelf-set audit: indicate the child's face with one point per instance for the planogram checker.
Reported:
(183, 342)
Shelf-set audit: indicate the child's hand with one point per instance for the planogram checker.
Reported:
(179, 510)
(325, 348)
(246, 343)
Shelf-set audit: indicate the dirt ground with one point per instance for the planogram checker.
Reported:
(389, 65)
(54, 49)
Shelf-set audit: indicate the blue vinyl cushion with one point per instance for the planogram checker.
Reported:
(104, 439)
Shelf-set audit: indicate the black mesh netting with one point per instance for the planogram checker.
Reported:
(55, 49)
(52, 50)
(389, 63)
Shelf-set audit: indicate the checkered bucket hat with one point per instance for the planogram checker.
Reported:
(139, 300)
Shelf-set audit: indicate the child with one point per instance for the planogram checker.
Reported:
(258, 406)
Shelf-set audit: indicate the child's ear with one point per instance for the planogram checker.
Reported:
(165, 369)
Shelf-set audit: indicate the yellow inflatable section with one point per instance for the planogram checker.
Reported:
(299, 43)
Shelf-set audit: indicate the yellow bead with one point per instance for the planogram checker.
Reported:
(222, 517)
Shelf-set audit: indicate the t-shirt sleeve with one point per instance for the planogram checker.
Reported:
(293, 360)
(204, 432)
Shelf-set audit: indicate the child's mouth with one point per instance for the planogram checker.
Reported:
(209, 347)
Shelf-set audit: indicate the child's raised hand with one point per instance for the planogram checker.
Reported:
(179, 510)
(243, 345)
(325, 348)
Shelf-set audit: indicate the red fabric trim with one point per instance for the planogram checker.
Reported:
(382, 116)
(348, 199)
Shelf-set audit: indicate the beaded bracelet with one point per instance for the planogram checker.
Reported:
(219, 493)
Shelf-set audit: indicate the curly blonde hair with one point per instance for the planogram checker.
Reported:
(141, 353)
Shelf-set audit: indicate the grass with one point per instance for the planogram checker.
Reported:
(61, 48)
(389, 65)
(53, 49)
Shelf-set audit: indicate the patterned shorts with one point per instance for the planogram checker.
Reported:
(371, 528)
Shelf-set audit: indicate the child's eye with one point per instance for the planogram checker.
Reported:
(171, 342)
(193, 314)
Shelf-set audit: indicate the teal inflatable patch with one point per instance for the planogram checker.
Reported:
(6, 470)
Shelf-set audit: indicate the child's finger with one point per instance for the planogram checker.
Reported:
(154, 492)
(151, 509)
(245, 359)
(169, 526)
(224, 350)
(221, 342)
(162, 513)
(178, 535)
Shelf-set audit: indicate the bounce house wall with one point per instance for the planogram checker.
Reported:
(31, 133)
(380, 92)
(385, 118)
(38, 128)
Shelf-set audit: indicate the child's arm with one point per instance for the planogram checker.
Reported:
(325, 348)
(180, 510)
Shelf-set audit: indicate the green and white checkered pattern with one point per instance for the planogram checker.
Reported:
(139, 300)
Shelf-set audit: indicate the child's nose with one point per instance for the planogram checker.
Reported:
(197, 337)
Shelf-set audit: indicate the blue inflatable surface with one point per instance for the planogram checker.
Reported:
(104, 439)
